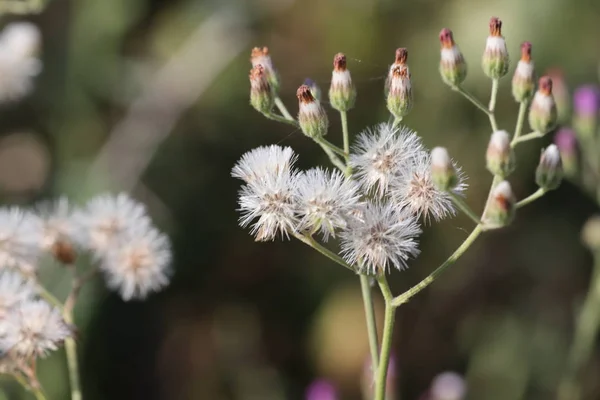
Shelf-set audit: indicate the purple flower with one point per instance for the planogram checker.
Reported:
(586, 100)
(565, 140)
(321, 389)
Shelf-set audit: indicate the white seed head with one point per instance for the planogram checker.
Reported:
(20, 238)
(448, 386)
(325, 200)
(57, 223)
(381, 154)
(383, 236)
(262, 161)
(33, 329)
(141, 265)
(14, 290)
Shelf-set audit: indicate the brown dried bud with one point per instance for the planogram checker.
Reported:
(339, 62)
(495, 26)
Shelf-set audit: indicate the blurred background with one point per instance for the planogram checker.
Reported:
(151, 97)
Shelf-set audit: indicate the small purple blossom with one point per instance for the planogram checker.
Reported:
(321, 389)
(586, 100)
(566, 140)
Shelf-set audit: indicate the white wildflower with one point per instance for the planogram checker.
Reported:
(381, 154)
(13, 291)
(140, 265)
(262, 161)
(383, 236)
(325, 200)
(33, 329)
(20, 236)
(60, 231)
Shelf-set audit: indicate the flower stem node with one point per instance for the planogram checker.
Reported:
(342, 92)
(495, 60)
(443, 172)
(261, 95)
(500, 157)
(523, 84)
(549, 173)
(312, 117)
(542, 113)
(502, 206)
(453, 67)
(399, 87)
(261, 56)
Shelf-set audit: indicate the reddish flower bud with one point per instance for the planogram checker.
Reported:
(542, 113)
(312, 117)
(523, 84)
(453, 67)
(495, 60)
(342, 93)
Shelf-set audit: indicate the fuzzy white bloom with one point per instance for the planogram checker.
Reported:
(20, 236)
(382, 236)
(140, 265)
(105, 220)
(33, 329)
(381, 154)
(272, 200)
(448, 386)
(19, 43)
(13, 291)
(325, 201)
(263, 161)
(57, 223)
(417, 192)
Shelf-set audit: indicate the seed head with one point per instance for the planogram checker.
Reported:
(495, 60)
(500, 157)
(453, 67)
(262, 161)
(14, 290)
(501, 207)
(523, 84)
(312, 117)
(342, 93)
(20, 237)
(261, 56)
(261, 95)
(542, 113)
(60, 231)
(549, 173)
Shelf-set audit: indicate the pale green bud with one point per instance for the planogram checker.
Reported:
(495, 59)
(342, 93)
(500, 157)
(549, 173)
(312, 117)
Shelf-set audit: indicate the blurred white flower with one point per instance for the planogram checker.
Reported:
(20, 237)
(59, 231)
(140, 265)
(381, 236)
(416, 191)
(448, 386)
(325, 200)
(19, 44)
(33, 329)
(381, 154)
(13, 291)
(263, 161)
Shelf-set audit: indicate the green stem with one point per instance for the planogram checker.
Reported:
(282, 109)
(464, 207)
(471, 98)
(386, 342)
(344, 117)
(279, 118)
(404, 297)
(332, 157)
(397, 121)
(371, 321)
(520, 122)
(531, 198)
(334, 148)
(524, 138)
(586, 331)
(310, 241)
(492, 106)
(49, 297)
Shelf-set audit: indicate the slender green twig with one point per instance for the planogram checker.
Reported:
(279, 118)
(334, 148)
(310, 241)
(36, 391)
(332, 156)
(471, 98)
(531, 198)
(371, 322)
(524, 138)
(492, 106)
(464, 207)
(386, 341)
(282, 108)
(344, 117)
(520, 122)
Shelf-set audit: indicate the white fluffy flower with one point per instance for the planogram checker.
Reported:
(58, 224)
(381, 236)
(13, 291)
(20, 236)
(19, 43)
(416, 191)
(106, 219)
(33, 329)
(381, 154)
(140, 265)
(272, 200)
(263, 161)
(325, 200)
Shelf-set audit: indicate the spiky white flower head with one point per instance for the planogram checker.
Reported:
(262, 161)
(106, 219)
(59, 229)
(140, 265)
(271, 202)
(33, 329)
(18, 65)
(14, 289)
(380, 155)
(20, 237)
(416, 191)
(383, 236)
(448, 386)
(325, 201)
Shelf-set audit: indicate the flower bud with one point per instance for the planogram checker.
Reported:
(443, 172)
(495, 56)
(590, 234)
(314, 88)
(261, 56)
(560, 91)
(500, 157)
(501, 207)
(312, 117)
(342, 92)
(586, 106)
(523, 84)
(261, 96)
(549, 172)
(398, 86)
(542, 113)
(448, 386)
(566, 142)
(453, 67)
